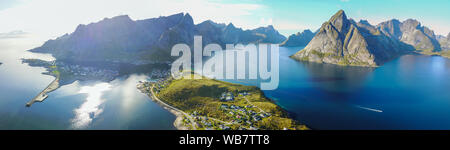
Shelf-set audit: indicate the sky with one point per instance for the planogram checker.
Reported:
(53, 18)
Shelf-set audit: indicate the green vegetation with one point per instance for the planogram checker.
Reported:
(56, 72)
(446, 53)
(347, 60)
(320, 54)
(431, 52)
(204, 100)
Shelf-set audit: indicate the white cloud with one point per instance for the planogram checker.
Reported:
(13, 34)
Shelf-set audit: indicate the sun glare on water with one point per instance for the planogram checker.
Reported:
(91, 108)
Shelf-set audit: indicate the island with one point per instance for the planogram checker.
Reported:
(209, 104)
(343, 41)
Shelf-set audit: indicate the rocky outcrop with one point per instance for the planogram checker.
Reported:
(411, 32)
(445, 43)
(122, 40)
(118, 39)
(269, 34)
(233, 35)
(343, 41)
(299, 39)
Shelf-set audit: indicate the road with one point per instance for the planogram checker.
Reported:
(43, 95)
(254, 105)
(173, 108)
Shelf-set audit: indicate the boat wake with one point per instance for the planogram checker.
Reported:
(370, 109)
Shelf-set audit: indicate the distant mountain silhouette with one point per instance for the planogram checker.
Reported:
(299, 39)
(120, 39)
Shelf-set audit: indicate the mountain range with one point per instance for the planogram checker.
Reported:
(340, 40)
(122, 40)
(299, 39)
(343, 41)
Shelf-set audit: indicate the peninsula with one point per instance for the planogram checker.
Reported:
(208, 104)
(52, 70)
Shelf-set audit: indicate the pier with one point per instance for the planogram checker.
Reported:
(43, 95)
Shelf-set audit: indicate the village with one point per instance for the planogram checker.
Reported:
(77, 72)
(241, 114)
(87, 73)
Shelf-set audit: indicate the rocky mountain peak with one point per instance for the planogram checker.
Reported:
(342, 41)
(340, 21)
(187, 20)
(230, 26)
(122, 18)
(307, 31)
(413, 22)
(365, 22)
(298, 39)
(391, 28)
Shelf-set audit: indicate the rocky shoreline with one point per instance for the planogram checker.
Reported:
(178, 123)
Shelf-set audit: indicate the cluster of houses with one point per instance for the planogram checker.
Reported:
(244, 114)
(84, 72)
(144, 87)
(228, 96)
(157, 74)
(205, 122)
(160, 84)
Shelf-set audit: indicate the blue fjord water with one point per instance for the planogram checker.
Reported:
(80, 105)
(411, 92)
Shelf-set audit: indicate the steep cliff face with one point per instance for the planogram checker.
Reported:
(210, 31)
(411, 32)
(233, 35)
(344, 42)
(299, 39)
(445, 43)
(121, 39)
(269, 34)
(183, 32)
(118, 39)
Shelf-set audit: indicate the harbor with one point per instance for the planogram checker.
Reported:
(43, 95)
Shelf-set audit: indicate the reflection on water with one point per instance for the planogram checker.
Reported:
(334, 78)
(410, 92)
(79, 105)
(91, 108)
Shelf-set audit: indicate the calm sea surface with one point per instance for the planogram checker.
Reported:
(80, 105)
(411, 92)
